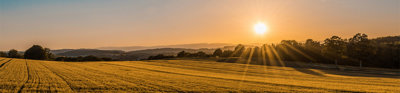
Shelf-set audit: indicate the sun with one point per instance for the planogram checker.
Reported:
(260, 28)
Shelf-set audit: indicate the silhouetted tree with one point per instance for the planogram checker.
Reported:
(311, 44)
(60, 59)
(73, 59)
(227, 53)
(201, 54)
(217, 52)
(246, 53)
(13, 54)
(314, 50)
(159, 56)
(360, 47)
(335, 47)
(293, 43)
(291, 50)
(257, 56)
(49, 55)
(182, 54)
(198, 54)
(3, 54)
(91, 58)
(36, 52)
(379, 52)
(239, 49)
(106, 59)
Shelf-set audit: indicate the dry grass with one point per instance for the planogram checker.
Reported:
(19, 75)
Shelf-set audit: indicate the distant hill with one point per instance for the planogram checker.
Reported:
(122, 55)
(387, 40)
(58, 51)
(86, 52)
(142, 54)
(187, 46)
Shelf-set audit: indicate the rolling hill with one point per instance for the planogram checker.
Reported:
(183, 46)
(86, 52)
(122, 55)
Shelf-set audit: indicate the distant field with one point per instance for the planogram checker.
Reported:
(19, 75)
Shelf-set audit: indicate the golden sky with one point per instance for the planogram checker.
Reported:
(99, 23)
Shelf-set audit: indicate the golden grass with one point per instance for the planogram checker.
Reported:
(19, 75)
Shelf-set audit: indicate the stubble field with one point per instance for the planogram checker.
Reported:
(20, 75)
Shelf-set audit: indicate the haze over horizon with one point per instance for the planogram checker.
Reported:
(101, 23)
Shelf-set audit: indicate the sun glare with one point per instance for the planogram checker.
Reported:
(260, 28)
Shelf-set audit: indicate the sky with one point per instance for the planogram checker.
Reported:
(61, 24)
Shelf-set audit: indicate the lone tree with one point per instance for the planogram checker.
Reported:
(217, 53)
(36, 52)
(13, 54)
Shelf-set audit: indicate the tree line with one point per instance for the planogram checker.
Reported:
(38, 52)
(355, 51)
(181, 54)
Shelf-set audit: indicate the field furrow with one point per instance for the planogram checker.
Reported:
(83, 80)
(28, 78)
(2, 59)
(20, 75)
(42, 79)
(59, 76)
(13, 76)
(4, 63)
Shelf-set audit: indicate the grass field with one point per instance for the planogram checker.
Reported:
(19, 75)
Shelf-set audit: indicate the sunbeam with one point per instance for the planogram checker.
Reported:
(277, 56)
(247, 66)
(263, 49)
(298, 51)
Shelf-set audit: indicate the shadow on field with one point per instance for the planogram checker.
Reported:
(366, 73)
(307, 71)
(300, 67)
(343, 70)
(305, 67)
